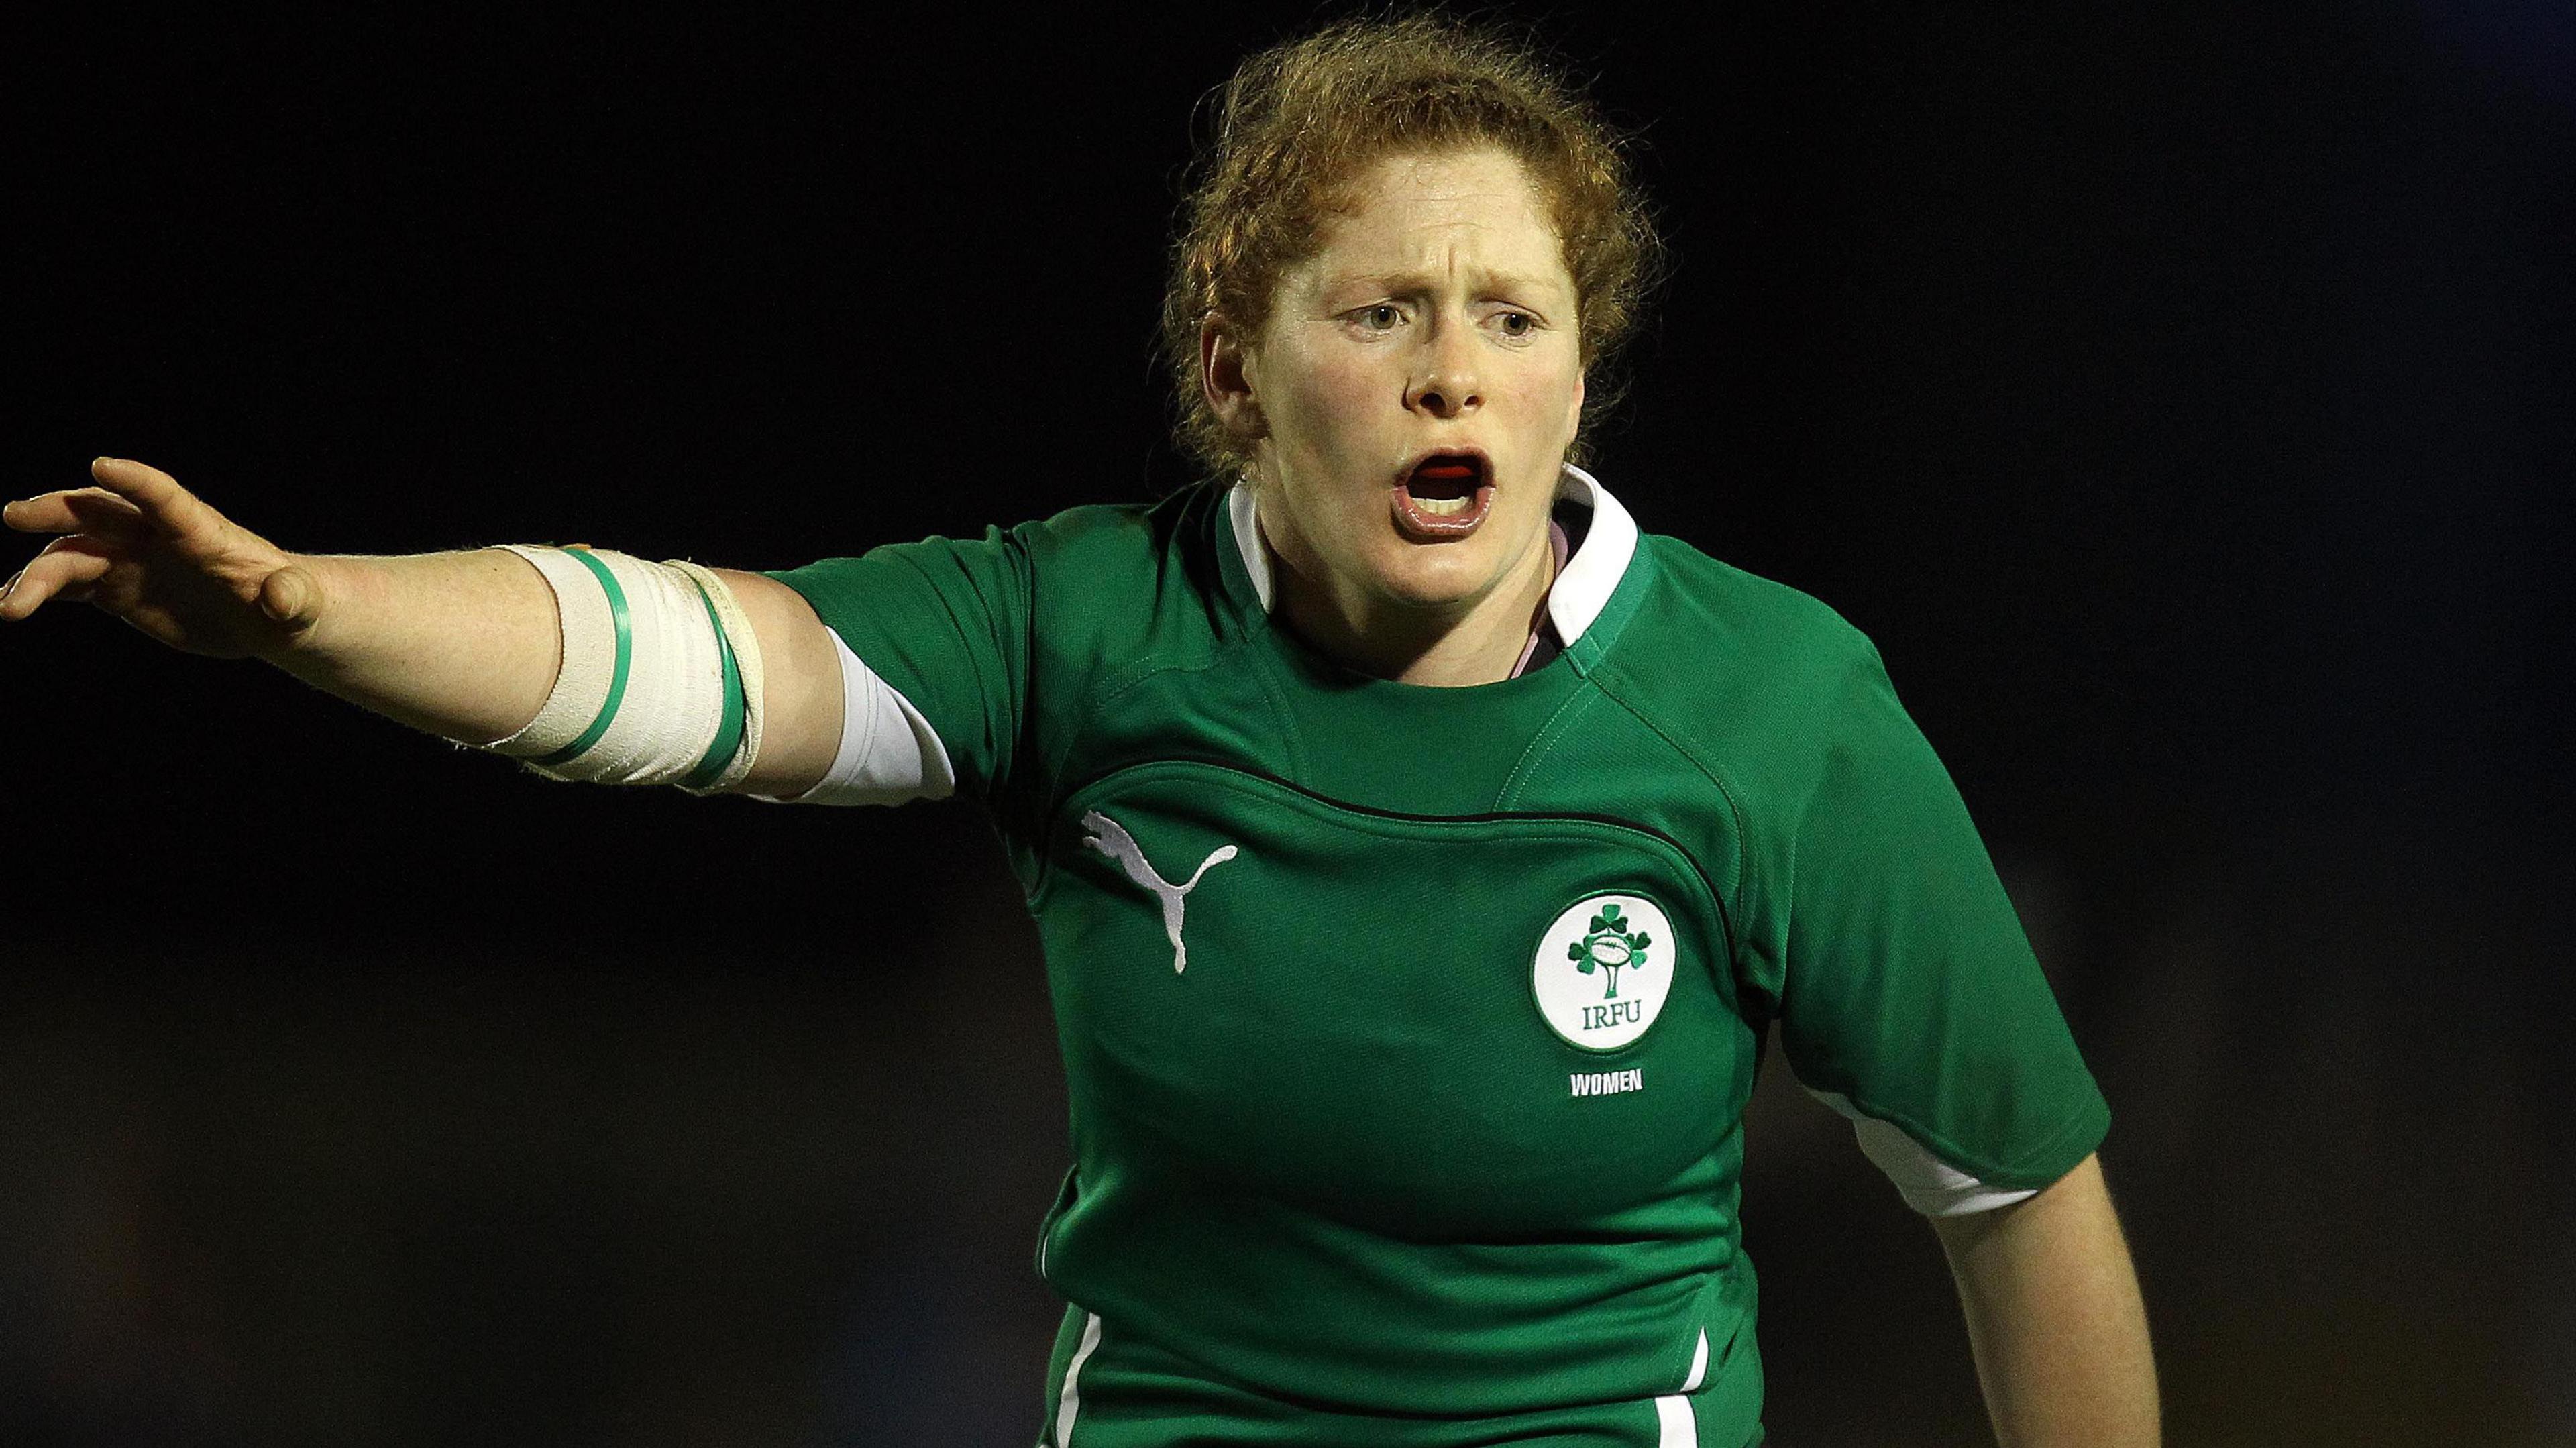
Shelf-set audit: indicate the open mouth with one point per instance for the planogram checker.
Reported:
(1445, 497)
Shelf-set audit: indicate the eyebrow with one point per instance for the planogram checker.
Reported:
(1401, 282)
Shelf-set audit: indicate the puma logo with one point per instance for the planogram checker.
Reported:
(1111, 838)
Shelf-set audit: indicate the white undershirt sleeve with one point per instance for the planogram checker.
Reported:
(889, 754)
(1929, 1185)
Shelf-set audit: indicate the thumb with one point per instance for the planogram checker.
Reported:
(291, 597)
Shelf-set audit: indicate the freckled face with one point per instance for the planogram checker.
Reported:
(1437, 316)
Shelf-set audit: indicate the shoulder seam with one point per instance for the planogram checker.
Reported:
(1137, 676)
(1541, 742)
(1733, 907)
(1135, 673)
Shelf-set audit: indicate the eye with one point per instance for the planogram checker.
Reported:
(1516, 324)
(1379, 318)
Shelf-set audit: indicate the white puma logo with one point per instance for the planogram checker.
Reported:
(1111, 838)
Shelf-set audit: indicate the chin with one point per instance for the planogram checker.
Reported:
(1437, 575)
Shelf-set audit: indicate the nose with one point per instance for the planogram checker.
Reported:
(1444, 382)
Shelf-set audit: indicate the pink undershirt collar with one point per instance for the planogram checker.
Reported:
(1544, 626)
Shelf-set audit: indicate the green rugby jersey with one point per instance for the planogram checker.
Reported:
(1409, 1030)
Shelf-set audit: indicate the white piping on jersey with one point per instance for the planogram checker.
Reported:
(1929, 1185)
(1069, 1402)
(1577, 597)
(888, 752)
(1111, 838)
(1677, 1426)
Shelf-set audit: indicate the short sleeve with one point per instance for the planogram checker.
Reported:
(1910, 995)
(945, 622)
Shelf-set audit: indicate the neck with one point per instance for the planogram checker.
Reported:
(1478, 642)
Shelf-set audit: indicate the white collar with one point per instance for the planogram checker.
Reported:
(1573, 601)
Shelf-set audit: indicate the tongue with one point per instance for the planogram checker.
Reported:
(1446, 472)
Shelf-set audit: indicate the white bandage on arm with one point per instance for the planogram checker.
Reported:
(1929, 1185)
(889, 753)
(660, 680)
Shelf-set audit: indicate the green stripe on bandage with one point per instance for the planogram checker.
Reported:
(728, 732)
(617, 675)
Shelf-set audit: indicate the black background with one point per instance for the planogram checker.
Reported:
(2177, 394)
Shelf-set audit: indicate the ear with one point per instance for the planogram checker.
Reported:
(1225, 378)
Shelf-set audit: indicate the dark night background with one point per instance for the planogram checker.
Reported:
(2179, 394)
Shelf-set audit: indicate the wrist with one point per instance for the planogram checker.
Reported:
(303, 602)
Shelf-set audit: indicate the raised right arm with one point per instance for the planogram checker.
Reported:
(463, 645)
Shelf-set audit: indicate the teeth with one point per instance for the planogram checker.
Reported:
(1443, 507)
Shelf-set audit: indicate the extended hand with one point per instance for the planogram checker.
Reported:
(152, 553)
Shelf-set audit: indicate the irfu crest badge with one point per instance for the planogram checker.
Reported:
(1603, 970)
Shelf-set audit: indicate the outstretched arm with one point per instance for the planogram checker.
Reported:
(463, 645)
(2055, 1318)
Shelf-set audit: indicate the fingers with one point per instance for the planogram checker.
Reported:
(155, 493)
(92, 511)
(66, 568)
(78, 510)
